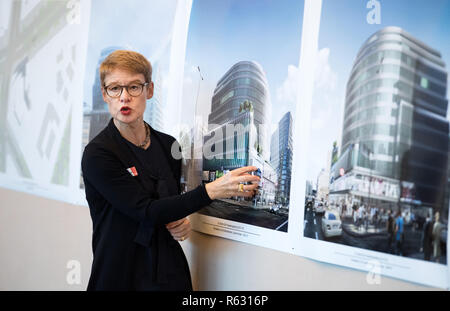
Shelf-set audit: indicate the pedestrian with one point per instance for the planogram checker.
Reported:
(399, 233)
(427, 238)
(132, 184)
(377, 217)
(366, 220)
(361, 216)
(437, 230)
(390, 228)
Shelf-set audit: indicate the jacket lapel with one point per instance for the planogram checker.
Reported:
(175, 165)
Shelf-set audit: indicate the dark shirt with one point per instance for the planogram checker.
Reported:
(390, 224)
(132, 248)
(154, 162)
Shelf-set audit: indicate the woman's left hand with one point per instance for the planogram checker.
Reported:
(180, 229)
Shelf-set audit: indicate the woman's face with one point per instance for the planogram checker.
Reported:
(126, 108)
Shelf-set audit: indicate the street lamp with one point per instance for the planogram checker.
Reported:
(195, 143)
(198, 87)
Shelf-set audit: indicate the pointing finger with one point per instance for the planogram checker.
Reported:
(246, 178)
(242, 170)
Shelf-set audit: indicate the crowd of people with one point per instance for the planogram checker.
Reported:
(393, 223)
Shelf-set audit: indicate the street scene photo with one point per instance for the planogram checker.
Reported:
(378, 176)
(241, 90)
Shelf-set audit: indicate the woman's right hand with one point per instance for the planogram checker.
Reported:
(227, 186)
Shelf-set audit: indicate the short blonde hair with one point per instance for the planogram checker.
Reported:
(131, 61)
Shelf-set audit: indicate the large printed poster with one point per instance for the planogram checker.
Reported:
(39, 102)
(239, 100)
(50, 52)
(377, 177)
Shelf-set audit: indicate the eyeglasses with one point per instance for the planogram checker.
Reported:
(134, 89)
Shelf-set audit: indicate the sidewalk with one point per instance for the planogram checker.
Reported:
(248, 204)
(361, 230)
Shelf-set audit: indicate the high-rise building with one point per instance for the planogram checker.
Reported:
(322, 185)
(395, 130)
(281, 157)
(236, 134)
(243, 82)
(100, 114)
(153, 114)
(230, 145)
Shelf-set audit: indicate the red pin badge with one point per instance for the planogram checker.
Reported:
(132, 171)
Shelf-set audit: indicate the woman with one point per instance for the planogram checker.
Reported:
(133, 189)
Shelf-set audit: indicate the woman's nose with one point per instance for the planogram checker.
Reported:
(125, 97)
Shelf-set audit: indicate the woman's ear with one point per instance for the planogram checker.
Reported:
(150, 90)
(105, 96)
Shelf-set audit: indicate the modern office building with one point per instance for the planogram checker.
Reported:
(244, 82)
(322, 185)
(281, 157)
(309, 188)
(230, 146)
(395, 132)
(153, 114)
(237, 126)
(100, 114)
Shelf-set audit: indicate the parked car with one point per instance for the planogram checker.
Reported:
(275, 208)
(319, 208)
(331, 224)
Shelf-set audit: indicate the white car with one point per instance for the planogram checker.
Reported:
(331, 224)
(319, 208)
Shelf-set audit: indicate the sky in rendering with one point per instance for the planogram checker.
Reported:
(222, 33)
(343, 30)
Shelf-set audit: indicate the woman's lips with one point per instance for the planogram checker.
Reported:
(125, 110)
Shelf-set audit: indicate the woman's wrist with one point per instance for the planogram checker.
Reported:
(210, 190)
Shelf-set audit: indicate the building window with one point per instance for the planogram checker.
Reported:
(227, 96)
(424, 82)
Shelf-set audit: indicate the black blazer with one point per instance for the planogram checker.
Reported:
(132, 248)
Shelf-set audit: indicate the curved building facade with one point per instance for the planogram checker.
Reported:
(395, 124)
(243, 82)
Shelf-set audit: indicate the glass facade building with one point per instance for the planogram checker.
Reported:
(229, 146)
(153, 113)
(281, 157)
(236, 133)
(100, 113)
(243, 82)
(395, 128)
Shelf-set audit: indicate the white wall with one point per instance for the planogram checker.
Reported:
(39, 236)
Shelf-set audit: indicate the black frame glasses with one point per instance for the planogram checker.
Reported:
(136, 93)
